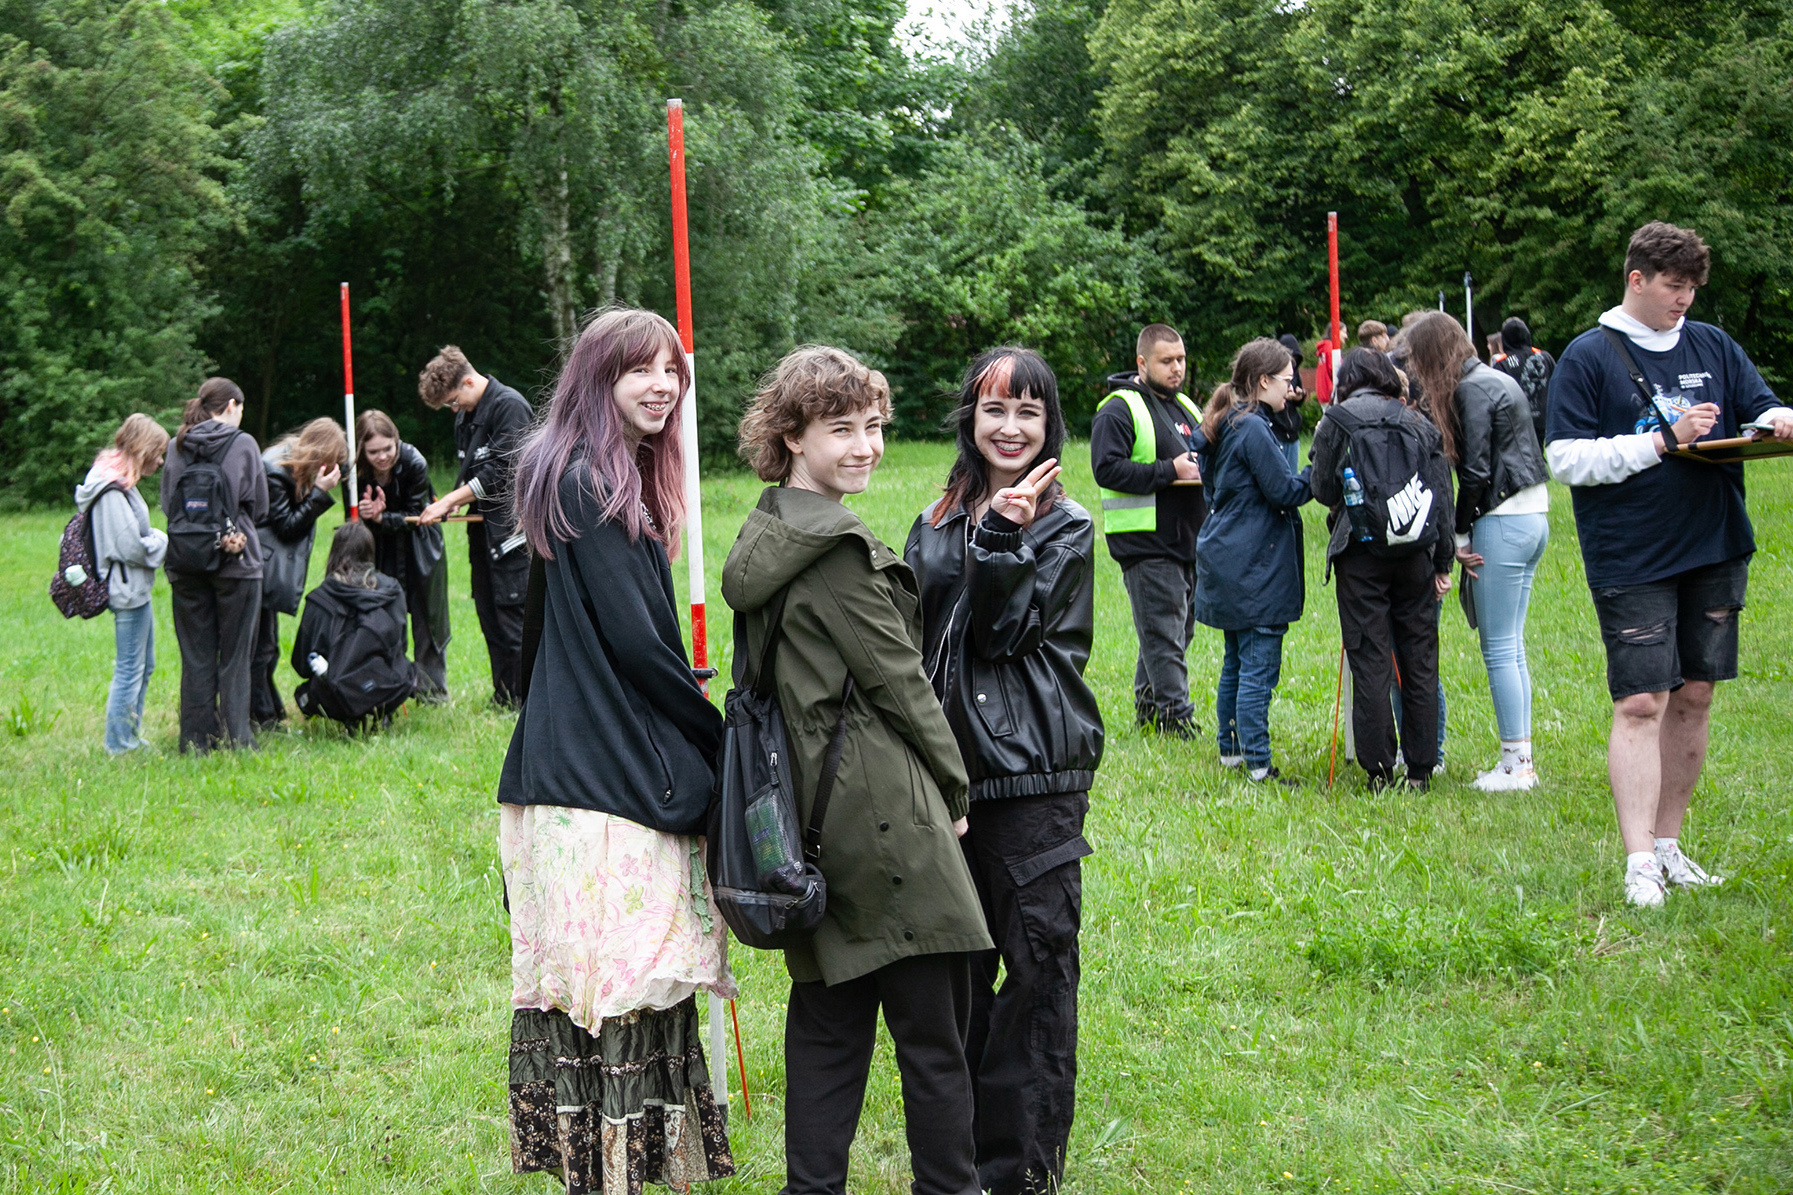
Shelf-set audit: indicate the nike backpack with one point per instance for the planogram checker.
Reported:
(1388, 452)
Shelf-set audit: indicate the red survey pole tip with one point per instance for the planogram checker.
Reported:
(1332, 262)
(681, 234)
(351, 494)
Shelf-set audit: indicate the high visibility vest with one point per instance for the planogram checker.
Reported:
(1138, 512)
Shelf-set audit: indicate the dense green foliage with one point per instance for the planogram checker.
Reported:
(287, 971)
(184, 185)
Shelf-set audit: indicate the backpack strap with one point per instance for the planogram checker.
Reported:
(818, 812)
(1621, 342)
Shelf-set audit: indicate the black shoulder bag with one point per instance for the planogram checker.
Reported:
(767, 881)
(1670, 443)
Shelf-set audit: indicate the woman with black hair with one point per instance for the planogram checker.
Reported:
(1388, 598)
(1005, 564)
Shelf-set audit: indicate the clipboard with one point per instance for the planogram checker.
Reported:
(1733, 450)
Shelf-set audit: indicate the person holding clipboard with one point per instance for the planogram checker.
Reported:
(1142, 451)
(1666, 540)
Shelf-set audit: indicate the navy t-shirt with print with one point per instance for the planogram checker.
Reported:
(1677, 515)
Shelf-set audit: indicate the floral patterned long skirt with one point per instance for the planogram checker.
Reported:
(613, 932)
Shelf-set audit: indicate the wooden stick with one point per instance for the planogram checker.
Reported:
(449, 519)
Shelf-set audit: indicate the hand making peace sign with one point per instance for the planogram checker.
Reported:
(1020, 502)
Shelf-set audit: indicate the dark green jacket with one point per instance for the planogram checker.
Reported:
(897, 882)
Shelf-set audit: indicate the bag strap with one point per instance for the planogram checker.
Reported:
(818, 812)
(1621, 342)
(762, 680)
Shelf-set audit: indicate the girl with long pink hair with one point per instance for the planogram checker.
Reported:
(606, 786)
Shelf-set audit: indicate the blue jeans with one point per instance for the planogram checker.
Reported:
(1511, 547)
(134, 632)
(1248, 679)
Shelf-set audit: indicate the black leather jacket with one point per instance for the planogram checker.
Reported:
(1008, 617)
(286, 533)
(1497, 447)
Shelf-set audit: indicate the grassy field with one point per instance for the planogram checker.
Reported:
(286, 971)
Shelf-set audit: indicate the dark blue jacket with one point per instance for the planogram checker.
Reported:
(1250, 570)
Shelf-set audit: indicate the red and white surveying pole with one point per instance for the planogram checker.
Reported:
(353, 494)
(694, 524)
(1332, 261)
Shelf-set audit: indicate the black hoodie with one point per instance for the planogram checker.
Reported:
(1180, 508)
(318, 625)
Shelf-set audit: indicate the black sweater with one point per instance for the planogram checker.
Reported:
(1180, 508)
(614, 720)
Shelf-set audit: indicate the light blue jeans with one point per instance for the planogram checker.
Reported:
(134, 632)
(1248, 676)
(1511, 547)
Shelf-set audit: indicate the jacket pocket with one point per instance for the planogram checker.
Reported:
(1049, 895)
(987, 695)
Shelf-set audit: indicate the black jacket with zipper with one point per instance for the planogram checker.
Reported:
(1008, 616)
(486, 440)
(287, 532)
(1497, 446)
(614, 719)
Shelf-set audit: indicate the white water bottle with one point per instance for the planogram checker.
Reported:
(319, 665)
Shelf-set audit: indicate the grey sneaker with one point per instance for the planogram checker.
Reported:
(1683, 872)
(1644, 885)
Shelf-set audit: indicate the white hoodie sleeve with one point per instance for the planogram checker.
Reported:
(1605, 461)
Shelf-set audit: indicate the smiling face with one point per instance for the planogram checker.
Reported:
(645, 395)
(1009, 431)
(835, 455)
(382, 453)
(1659, 302)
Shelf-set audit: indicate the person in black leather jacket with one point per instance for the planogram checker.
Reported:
(1503, 521)
(1005, 562)
(302, 467)
(395, 481)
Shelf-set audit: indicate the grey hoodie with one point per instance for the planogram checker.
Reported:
(243, 473)
(123, 540)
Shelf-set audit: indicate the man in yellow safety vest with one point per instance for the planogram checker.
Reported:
(1142, 448)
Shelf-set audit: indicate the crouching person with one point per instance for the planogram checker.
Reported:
(902, 915)
(351, 642)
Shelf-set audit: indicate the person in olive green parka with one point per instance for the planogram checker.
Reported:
(902, 912)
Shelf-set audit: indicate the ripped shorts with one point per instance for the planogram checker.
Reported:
(1662, 634)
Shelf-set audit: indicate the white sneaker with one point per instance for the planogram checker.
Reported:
(1505, 780)
(1683, 872)
(1644, 885)
(1232, 761)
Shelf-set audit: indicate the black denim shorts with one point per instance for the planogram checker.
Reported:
(1662, 634)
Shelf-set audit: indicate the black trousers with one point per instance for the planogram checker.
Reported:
(214, 620)
(498, 589)
(264, 694)
(828, 1038)
(1388, 612)
(1025, 857)
(430, 656)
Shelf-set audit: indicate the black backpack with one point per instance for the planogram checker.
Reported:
(1401, 514)
(363, 679)
(202, 512)
(767, 881)
(77, 557)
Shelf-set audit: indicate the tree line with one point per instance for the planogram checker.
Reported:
(185, 183)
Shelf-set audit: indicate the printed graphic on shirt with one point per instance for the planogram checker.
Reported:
(1676, 402)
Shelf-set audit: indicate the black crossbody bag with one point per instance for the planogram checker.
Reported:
(1621, 342)
(766, 879)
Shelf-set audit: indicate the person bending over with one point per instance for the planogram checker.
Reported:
(351, 642)
(1006, 564)
(1143, 453)
(903, 916)
(1666, 542)
(490, 420)
(303, 467)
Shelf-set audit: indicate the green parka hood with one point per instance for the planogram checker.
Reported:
(788, 531)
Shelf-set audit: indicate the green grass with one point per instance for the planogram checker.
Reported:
(287, 971)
